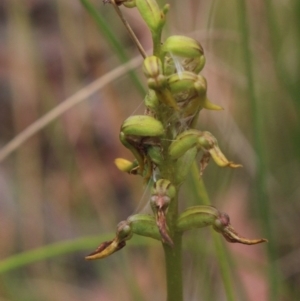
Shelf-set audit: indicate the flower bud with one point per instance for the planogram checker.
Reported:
(144, 225)
(184, 141)
(183, 81)
(152, 68)
(183, 51)
(143, 126)
(182, 46)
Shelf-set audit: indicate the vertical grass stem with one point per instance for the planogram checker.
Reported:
(262, 198)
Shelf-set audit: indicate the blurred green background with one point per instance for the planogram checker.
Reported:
(60, 193)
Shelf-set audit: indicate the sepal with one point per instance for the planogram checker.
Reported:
(142, 126)
(209, 144)
(152, 15)
(184, 141)
(144, 225)
(126, 165)
(181, 52)
(197, 217)
(182, 46)
(105, 249)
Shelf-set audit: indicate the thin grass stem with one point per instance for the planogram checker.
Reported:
(129, 29)
(59, 249)
(219, 247)
(262, 197)
(113, 41)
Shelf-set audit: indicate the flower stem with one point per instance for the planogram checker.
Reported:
(156, 40)
(173, 260)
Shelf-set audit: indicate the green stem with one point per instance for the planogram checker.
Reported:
(173, 255)
(156, 40)
(173, 260)
(219, 247)
(58, 249)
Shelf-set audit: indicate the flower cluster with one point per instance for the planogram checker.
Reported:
(165, 142)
